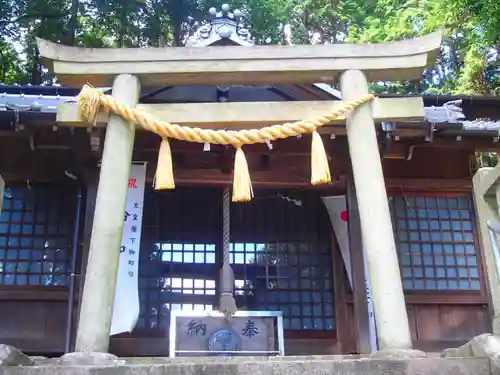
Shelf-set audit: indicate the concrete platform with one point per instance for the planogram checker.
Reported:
(321, 365)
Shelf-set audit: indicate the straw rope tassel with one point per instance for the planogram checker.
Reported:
(164, 177)
(242, 185)
(320, 170)
(89, 103)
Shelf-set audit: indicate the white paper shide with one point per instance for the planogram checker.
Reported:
(126, 307)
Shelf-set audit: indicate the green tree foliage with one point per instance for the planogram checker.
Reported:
(468, 64)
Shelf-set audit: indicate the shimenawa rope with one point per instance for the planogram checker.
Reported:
(91, 100)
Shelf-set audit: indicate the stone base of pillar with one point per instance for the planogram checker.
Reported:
(88, 359)
(398, 354)
(11, 356)
(495, 324)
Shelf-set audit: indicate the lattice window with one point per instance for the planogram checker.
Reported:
(292, 272)
(36, 229)
(294, 278)
(178, 260)
(183, 285)
(435, 239)
(282, 258)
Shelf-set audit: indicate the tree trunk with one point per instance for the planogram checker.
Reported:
(73, 23)
(177, 18)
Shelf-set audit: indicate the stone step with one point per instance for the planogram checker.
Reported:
(323, 365)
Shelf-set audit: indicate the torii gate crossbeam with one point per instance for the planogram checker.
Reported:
(226, 65)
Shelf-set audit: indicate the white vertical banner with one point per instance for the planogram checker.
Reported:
(126, 307)
(371, 311)
(336, 207)
(337, 210)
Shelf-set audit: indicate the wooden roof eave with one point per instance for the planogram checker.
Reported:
(250, 65)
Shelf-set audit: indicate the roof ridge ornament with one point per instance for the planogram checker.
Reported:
(225, 27)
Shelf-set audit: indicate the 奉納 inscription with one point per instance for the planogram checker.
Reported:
(250, 329)
(195, 328)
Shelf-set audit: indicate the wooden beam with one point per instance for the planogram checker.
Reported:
(252, 114)
(439, 185)
(226, 65)
(293, 176)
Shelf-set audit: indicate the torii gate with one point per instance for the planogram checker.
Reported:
(353, 65)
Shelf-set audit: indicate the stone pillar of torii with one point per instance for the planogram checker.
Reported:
(486, 183)
(126, 69)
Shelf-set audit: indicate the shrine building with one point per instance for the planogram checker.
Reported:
(387, 254)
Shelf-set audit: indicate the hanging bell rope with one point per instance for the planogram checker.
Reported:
(227, 303)
(91, 100)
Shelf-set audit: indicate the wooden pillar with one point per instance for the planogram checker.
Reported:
(96, 309)
(91, 182)
(376, 227)
(2, 188)
(358, 272)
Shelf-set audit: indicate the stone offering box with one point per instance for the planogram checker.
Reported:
(258, 333)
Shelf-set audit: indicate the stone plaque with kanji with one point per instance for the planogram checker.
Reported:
(213, 335)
